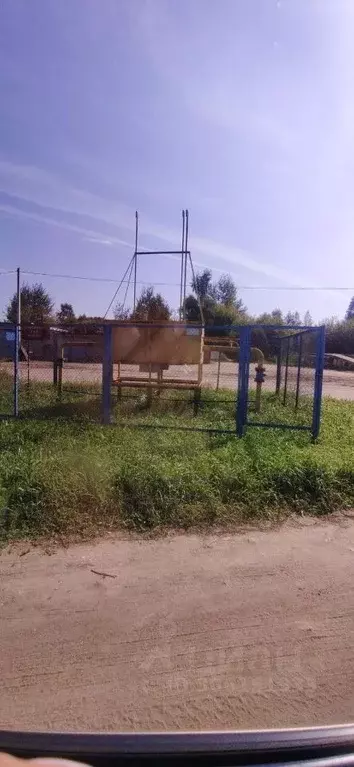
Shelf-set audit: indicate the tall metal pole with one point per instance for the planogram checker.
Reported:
(18, 297)
(135, 255)
(17, 344)
(181, 304)
(185, 264)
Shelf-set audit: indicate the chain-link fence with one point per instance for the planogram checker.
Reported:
(163, 375)
(173, 375)
(60, 371)
(282, 386)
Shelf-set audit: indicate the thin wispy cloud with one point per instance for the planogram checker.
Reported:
(33, 185)
(99, 241)
(88, 234)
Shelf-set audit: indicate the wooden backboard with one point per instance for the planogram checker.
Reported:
(176, 344)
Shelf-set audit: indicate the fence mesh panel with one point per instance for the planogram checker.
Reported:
(174, 376)
(165, 375)
(61, 371)
(287, 393)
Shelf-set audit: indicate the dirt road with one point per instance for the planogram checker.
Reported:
(231, 631)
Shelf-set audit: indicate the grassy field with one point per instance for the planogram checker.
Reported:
(62, 474)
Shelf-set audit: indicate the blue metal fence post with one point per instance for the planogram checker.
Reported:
(247, 352)
(107, 374)
(317, 401)
(243, 375)
(278, 376)
(16, 370)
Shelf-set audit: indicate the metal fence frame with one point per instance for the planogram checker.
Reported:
(244, 364)
(244, 333)
(241, 411)
(8, 327)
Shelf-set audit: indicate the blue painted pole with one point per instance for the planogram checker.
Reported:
(247, 343)
(243, 374)
(107, 374)
(278, 378)
(16, 370)
(17, 344)
(240, 388)
(317, 402)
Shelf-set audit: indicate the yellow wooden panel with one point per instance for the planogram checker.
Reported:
(176, 345)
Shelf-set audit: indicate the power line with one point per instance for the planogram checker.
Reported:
(92, 279)
(292, 287)
(176, 284)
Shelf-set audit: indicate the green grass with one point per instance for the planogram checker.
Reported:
(62, 474)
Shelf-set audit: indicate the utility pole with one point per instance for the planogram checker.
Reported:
(17, 343)
(18, 298)
(135, 256)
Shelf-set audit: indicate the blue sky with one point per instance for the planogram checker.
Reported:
(240, 110)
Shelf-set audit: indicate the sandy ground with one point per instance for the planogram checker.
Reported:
(336, 383)
(254, 629)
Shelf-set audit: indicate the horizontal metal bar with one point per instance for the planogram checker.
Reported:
(298, 427)
(206, 328)
(132, 323)
(161, 252)
(299, 333)
(201, 402)
(202, 429)
(136, 324)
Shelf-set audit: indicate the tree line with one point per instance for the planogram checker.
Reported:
(219, 300)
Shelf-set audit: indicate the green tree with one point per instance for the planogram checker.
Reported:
(66, 313)
(151, 307)
(219, 301)
(270, 318)
(349, 315)
(308, 319)
(121, 312)
(85, 318)
(225, 291)
(293, 318)
(202, 285)
(36, 305)
(277, 315)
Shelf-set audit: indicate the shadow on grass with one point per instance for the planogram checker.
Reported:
(85, 411)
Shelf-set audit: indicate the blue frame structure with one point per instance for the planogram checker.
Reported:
(317, 403)
(12, 347)
(242, 404)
